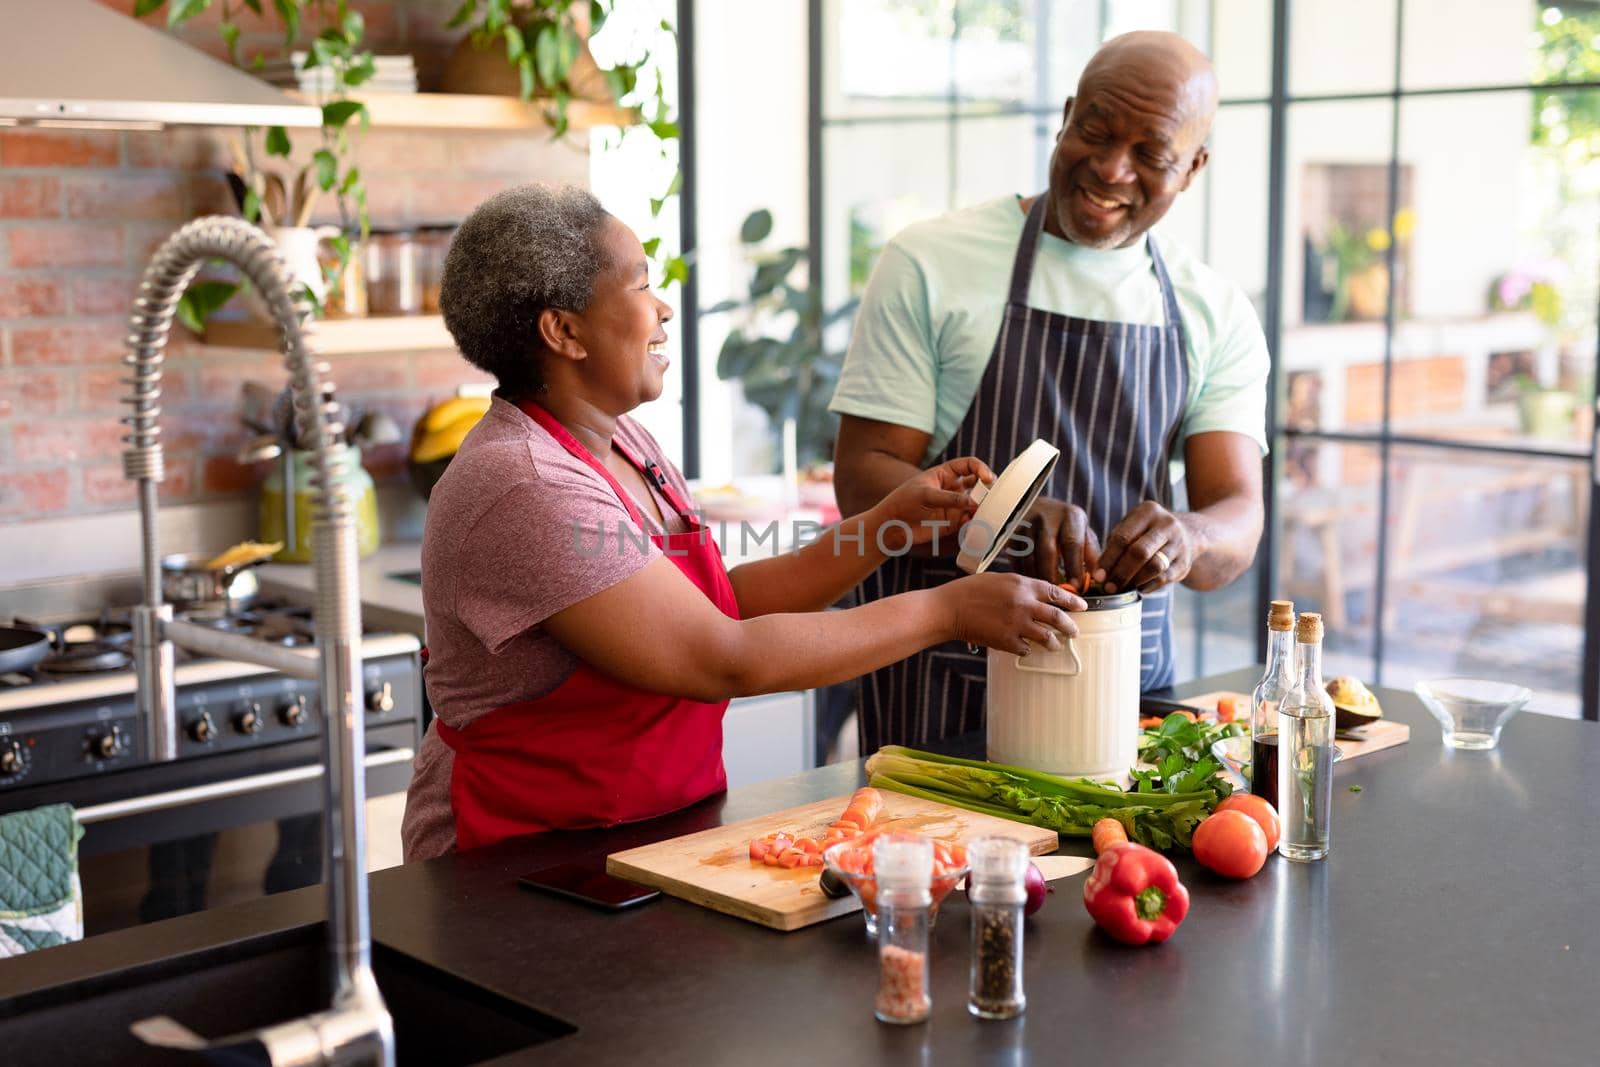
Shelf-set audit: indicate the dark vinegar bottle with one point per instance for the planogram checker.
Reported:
(1277, 680)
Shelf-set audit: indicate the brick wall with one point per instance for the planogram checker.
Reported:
(80, 213)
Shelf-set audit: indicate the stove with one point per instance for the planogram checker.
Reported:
(247, 781)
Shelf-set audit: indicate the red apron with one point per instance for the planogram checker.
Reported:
(596, 751)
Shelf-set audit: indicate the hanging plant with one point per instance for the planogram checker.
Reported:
(337, 48)
(546, 42)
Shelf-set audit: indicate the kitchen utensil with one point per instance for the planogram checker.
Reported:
(712, 868)
(188, 582)
(1075, 711)
(304, 198)
(1472, 711)
(1002, 505)
(21, 648)
(255, 406)
(259, 449)
(275, 198)
(865, 886)
(375, 428)
(239, 189)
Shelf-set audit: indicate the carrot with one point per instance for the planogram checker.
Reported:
(1227, 709)
(1105, 833)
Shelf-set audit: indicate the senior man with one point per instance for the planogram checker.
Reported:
(1059, 316)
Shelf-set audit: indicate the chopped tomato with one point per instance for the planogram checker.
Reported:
(1227, 709)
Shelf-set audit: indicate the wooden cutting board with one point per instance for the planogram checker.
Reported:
(1362, 741)
(713, 867)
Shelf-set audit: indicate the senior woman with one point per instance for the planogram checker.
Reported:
(584, 637)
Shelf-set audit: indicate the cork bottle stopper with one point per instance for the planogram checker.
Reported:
(1308, 630)
(1281, 617)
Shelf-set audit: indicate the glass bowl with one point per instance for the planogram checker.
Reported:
(1234, 753)
(848, 860)
(1472, 711)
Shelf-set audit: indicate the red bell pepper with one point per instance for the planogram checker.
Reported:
(1134, 894)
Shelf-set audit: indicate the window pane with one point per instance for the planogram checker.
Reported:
(1222, 215)
(1341, 46)
(1335, 281)
(1001, 155)
(1216, 631)
(884, 57)
(878, 178)
(1452, 43)
(1498, 341)
(1241, 47)
(1327, 528)
(1502, 596)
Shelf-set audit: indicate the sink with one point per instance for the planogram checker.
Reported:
(440, 1020)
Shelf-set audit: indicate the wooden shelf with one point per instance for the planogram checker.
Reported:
(330, 337)
(461, 111)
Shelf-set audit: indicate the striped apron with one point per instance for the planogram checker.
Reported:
(1111, 396)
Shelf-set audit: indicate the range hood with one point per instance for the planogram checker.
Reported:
(77, 64)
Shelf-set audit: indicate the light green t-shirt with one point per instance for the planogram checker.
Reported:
(932, 309)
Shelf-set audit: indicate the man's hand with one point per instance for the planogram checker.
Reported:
(1150, 548)
(934, 502)
(1064, 548)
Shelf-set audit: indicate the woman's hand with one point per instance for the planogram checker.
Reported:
(1009, 612)
(934, 504)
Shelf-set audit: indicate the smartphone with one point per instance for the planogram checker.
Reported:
(589, 884)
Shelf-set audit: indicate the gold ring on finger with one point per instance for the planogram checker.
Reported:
(1162, 561)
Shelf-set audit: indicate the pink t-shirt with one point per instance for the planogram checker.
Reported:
(518, 529)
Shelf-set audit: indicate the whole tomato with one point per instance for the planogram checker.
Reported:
(1230, 843)
(1258, 809)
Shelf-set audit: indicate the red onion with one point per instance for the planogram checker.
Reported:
(1037, 887)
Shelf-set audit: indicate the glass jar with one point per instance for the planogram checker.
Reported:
(433, 242)
(998, 891)
(393, 287)
(347, 282)
(904, 869)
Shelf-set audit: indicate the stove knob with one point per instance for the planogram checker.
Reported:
(249, 719)
(12, 758)
(293, 713)
(203, 729)
(381, 699)
(106, 745)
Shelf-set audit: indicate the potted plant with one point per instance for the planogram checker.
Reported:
(778, 350)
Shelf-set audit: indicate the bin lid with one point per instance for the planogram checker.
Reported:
(1001, 506)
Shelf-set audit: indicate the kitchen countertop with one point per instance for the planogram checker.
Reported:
(1453, 923)
(386, 602)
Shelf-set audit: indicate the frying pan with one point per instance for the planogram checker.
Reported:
(20, 649)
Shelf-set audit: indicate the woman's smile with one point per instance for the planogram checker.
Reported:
(657, 351)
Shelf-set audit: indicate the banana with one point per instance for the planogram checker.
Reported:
(444, 442)
(447, 412)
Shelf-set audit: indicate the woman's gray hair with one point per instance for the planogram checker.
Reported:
(520, 252)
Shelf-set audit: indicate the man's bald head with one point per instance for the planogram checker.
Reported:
(1159, 61)
(1132, 138)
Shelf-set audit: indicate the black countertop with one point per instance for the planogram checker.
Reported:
(1454, 924)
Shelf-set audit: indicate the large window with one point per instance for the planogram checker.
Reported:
(1431, 299)
(1437, 348)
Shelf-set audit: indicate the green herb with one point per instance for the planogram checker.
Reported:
(1159, 819)
(1355, 789)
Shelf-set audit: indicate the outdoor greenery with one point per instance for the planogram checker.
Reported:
(544, 40)
(779, 350)
(1567, 52)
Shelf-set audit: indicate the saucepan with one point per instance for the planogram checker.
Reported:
(187, 582)
(21, 648)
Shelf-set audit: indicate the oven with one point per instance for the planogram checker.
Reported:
(238, 813)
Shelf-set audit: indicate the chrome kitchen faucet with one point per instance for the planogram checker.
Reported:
(357, 1027)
